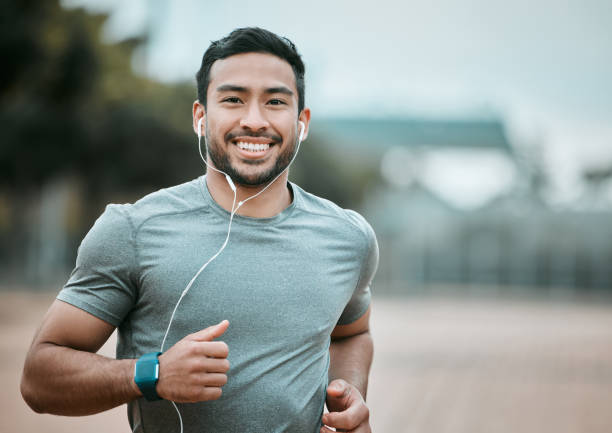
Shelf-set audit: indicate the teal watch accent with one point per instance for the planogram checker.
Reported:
(146, 374)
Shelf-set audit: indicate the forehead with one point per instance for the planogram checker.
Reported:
(252, 70)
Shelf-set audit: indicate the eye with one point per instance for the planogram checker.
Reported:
(231, 100)
(276, 102)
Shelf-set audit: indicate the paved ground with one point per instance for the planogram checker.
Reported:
(442, 365)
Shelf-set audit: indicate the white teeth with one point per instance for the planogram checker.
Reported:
(253, 147)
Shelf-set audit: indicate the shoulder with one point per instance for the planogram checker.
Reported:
(116, 228)
(123, 220)
(332, 214)
(185, 197)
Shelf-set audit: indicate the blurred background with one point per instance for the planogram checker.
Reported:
(475, 136)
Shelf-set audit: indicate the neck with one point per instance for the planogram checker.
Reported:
(269, 203)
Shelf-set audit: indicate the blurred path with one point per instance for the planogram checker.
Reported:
(473, 365)
(20, 316)
(442, 365)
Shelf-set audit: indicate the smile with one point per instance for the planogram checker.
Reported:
(253, 147)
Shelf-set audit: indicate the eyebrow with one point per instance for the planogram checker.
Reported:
(231, 88)
(241, 89)
(280, 89)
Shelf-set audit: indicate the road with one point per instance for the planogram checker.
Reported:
(443, 364)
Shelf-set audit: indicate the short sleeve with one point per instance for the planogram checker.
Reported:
(102, 282)
(360, 301)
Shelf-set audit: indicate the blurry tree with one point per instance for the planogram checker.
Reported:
(70, 103)
(71, 107)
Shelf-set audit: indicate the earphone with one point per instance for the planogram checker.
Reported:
(227, 177)
(229, 227)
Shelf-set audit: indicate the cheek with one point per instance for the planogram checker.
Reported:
(217, 131)
(285, 125)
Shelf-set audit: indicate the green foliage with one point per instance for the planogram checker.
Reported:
(72, 104)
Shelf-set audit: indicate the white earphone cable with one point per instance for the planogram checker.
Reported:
(229, 228)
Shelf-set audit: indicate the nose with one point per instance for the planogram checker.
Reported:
(254, 119)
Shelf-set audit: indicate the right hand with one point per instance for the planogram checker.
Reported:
(195, 368)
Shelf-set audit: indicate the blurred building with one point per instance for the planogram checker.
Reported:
(457, 204)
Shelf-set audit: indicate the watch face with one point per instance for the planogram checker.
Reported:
(146, 374)
(147, 371)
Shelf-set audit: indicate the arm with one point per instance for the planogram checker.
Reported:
(351, 352)
(62, 375)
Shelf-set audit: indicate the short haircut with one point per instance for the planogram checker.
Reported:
(251, 40)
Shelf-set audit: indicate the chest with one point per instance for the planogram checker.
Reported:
(266, 280)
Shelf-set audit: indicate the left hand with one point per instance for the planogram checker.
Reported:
(347, 409)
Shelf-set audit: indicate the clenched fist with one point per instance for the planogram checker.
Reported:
(195, 368)
(347, 409)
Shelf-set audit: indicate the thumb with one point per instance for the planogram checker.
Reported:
(337, 388)
(210, 333)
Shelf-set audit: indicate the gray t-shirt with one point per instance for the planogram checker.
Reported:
(283, 283)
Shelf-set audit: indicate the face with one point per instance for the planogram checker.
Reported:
(252, 117)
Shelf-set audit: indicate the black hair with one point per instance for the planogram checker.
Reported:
(251, 40)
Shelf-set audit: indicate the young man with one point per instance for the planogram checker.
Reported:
(274, 327)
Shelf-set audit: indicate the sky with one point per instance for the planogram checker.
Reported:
(542, 66)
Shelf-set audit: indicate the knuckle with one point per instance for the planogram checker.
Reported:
(194, 365)
(192, 349)
(201, 363)
(193, 394)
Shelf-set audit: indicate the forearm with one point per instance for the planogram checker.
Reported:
(65, 381)
(350, 359)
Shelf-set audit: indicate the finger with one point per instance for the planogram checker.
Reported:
(213, 365)
(326, 429)
(195, 393)
(214, 380)
(210, 393)
(350, 418)
(338, 389)
(210, 333)
(213, 349)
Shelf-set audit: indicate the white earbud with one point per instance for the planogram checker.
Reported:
(200, 127)
(302, 129)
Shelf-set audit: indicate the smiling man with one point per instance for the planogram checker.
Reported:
(253, 332)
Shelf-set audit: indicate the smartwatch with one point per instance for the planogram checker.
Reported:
(146, 374)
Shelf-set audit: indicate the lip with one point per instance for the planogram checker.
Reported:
(254, 140)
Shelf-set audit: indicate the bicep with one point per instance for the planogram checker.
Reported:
(69, 326)
(359, 326)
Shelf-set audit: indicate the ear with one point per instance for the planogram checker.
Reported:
(305, 117)
(198, 113)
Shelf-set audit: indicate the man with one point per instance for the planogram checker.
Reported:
(271, 329)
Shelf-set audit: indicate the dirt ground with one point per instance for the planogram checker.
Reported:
(442, 365)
